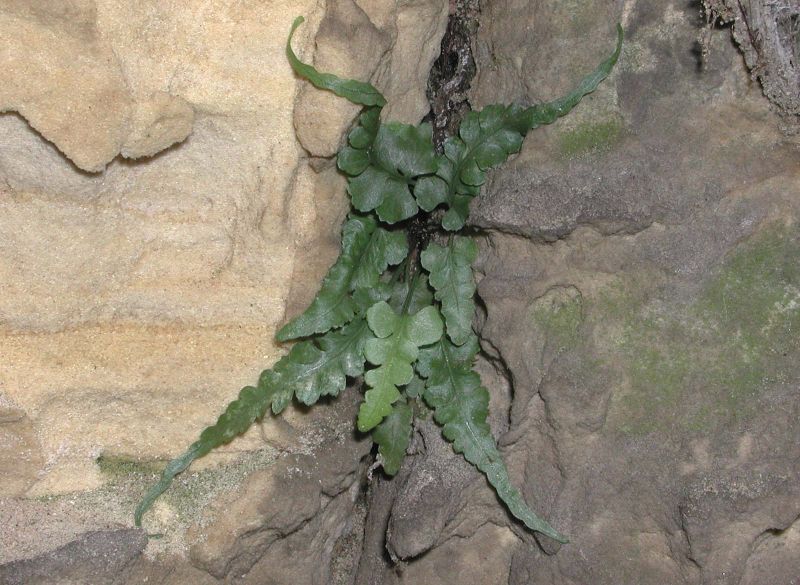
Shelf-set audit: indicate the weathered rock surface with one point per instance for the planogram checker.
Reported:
(768, 33)
(64, 76)
(640, 292)
(158, 220)
(641, 287)
(96, 557)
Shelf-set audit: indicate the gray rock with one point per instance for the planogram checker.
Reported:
(96, 557)
(303, 503)
(655, 143)
(768, 34)
(640, 284)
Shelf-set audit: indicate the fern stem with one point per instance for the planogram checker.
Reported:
(410, 293)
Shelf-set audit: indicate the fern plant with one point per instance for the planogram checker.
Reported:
(397, 306)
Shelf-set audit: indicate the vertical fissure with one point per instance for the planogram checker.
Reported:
(448, 85)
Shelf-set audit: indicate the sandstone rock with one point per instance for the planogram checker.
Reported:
(66, 80)
(20, 455)
(398, 42)
(156, 124)
(137, 298)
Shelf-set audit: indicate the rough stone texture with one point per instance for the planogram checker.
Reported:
(768, 33)
(96, 557)
(20, 456)
(640, 301)
(138, 296)
(397, 41)
(301, 503)
(63, 75)
(642, 296)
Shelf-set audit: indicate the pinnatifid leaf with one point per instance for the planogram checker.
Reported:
(311, 370)
(367, 250)
(393, 350)
(357, 92)
(487, 138)
(308, 371)
(415, 388)
(382, 162)
(393, 436)
(354, 159)
(450, 269)
(239, 415)
(461, 406)
(361, 316)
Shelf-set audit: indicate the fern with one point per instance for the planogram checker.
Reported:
(394, 350)
(392, 437)
(367, 250)
(451, 275)
(398, 314)
(382, 173)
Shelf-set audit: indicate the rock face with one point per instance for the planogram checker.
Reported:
(168, 197)
(642, 298)
(768, 34)
(158, 220)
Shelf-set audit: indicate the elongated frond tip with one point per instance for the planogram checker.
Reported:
(357, 92)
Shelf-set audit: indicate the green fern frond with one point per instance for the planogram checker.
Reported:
(394, 349)
(393, 436)
(376, 306)
(357, 92)
(487, 138)
(461, 406)
(383, 172)
(367, 250)
(450, 268)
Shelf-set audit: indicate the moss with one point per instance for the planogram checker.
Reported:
(114, 466)
(193, 491)
(705, 364)
(590, 137)
(559, 314)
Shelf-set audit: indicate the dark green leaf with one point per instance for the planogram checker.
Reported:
(396, 154)
(421, 294)
(240, 414)
(549, 112)
(415, 388)
(461, 406)
(357, 92)
(389, 196)
(352, 161)
(308, 371)
(393, 436)
(487, 138)
(450, 271)
(430, 192)
(367, 250)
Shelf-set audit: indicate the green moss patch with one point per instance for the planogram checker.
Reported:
(590, 137)
(114, 467)
(559, 314)
(706, 364)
